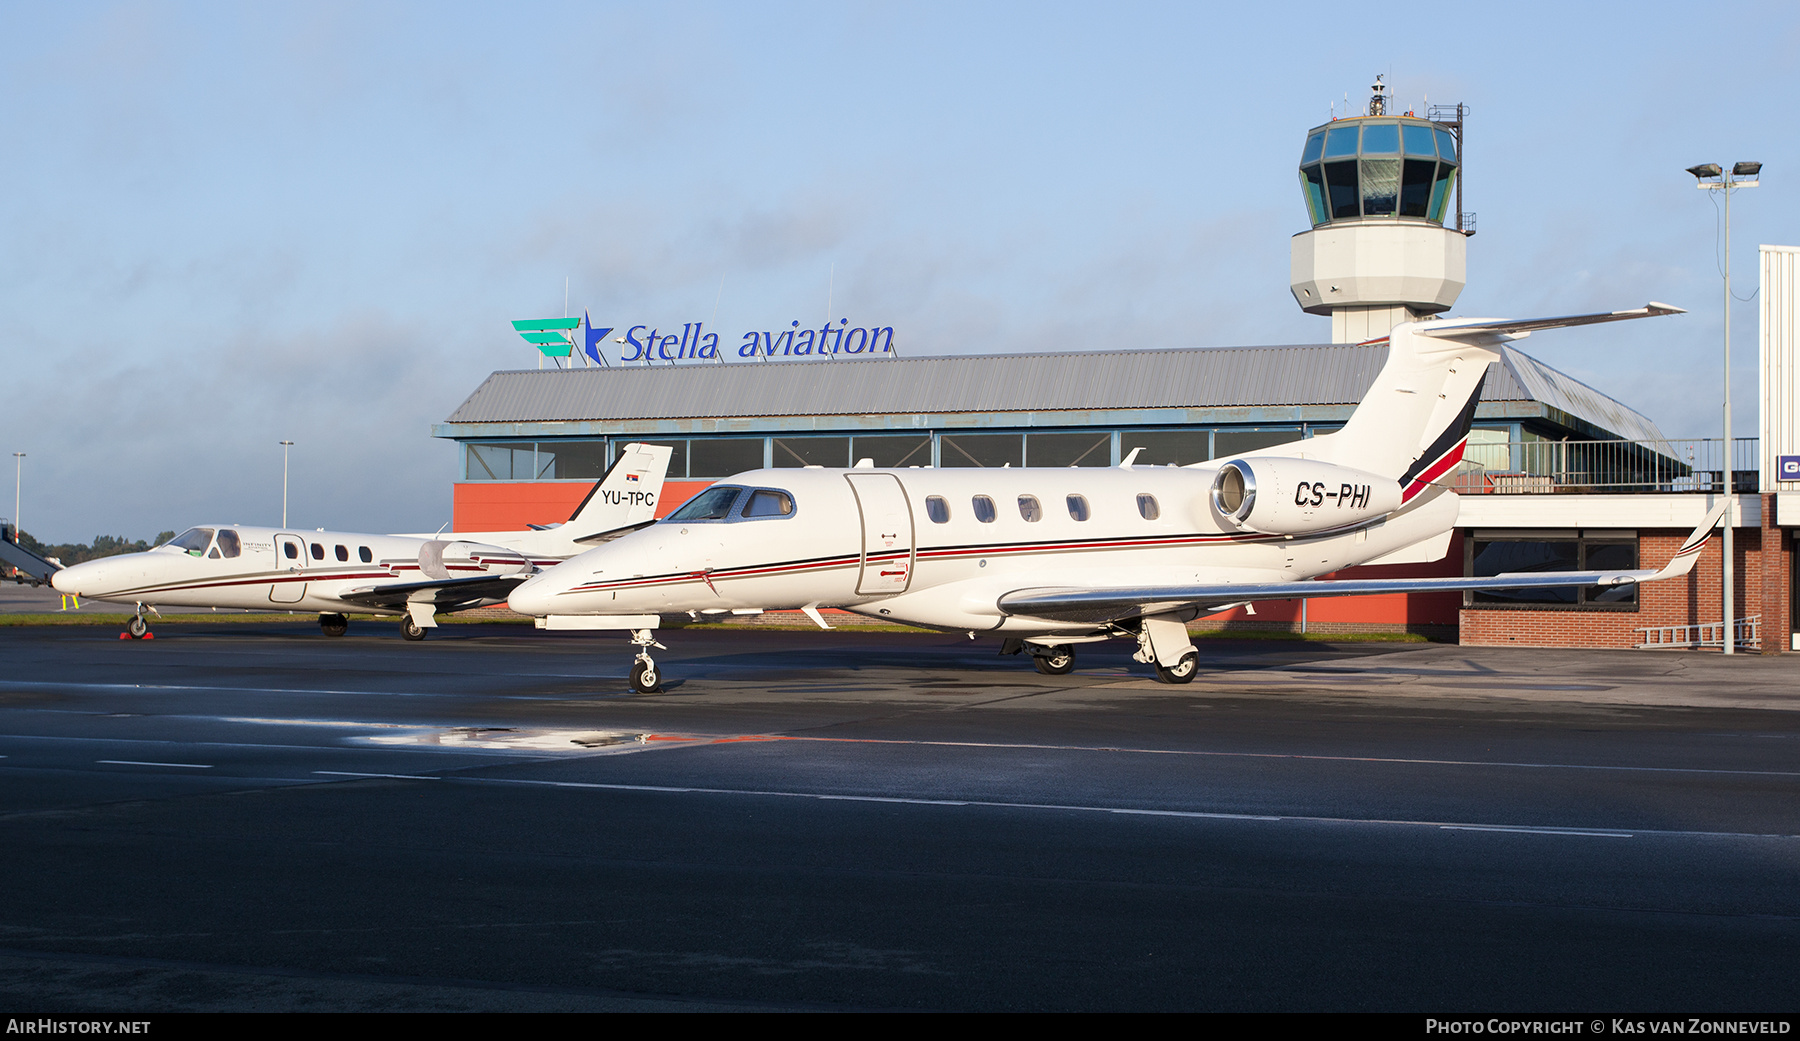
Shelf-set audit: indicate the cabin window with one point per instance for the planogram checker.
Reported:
(766, 502)
(984, 509)
(194, 541)
(711, 504)
(363, 552)
(938, 509)
(318, 551)
(1078, 507)
(292, 551)
(213, 554)
(1147, 507)
(229, 543)
(343, 553)
(1030, 508)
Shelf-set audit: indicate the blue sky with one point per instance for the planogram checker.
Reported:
(222, 225)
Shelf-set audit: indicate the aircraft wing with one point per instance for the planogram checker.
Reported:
(1107, 605)
(448, 591)
(607, 536)
(1477, 330)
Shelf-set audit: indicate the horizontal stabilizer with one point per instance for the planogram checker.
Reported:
(1476, 329)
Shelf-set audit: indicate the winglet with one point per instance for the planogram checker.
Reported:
(1685, 557)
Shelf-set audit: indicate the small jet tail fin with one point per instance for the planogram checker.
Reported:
(626, 496)
(1684, 559)
(1413, 423)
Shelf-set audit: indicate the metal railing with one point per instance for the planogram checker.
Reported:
(1545, 467)
(1705, 634)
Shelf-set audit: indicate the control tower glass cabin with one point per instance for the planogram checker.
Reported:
(1364, 167)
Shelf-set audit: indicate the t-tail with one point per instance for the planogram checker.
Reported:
(625, 498)
(1413, 424)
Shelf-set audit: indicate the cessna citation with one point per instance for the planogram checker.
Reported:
(1050, 558)
(413, 576)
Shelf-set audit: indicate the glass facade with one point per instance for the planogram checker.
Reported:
(714, 458)
(1378, 166)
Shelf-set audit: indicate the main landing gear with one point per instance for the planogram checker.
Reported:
(1053, 661)
(139, 627)
(334, 624)
(410, 629)
(645, 677)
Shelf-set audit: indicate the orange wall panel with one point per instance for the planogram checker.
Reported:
(515, 505)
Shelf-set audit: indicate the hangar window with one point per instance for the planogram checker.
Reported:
(1078, 507)
(905, 450)
(1147, 507)
(1030, 508)
(812, 451)
(363, 552)
(1089, 449)
(1498, 552)
(716, 457)
(711, 504)
(318, 551)
(938, 509)
(767, 502)
(984, 509)
(982, 450)
(229, 544)
(1159, 447)
(193, 541)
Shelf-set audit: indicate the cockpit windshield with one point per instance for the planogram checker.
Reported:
(193, 541)
(711, 504)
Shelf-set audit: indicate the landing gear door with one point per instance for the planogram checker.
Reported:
(887, 534)
(289, 583)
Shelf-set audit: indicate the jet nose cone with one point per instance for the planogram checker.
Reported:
(533, 595)
(64, 581)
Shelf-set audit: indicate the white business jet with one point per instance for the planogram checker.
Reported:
(1049, 558)
(413, 576)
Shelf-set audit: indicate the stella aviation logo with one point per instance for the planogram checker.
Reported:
(648, 344)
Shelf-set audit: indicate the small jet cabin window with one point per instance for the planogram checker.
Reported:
(292, 551)
(711, 504)
(213, 554)
(1030, 508)
(229, 543)
(343, 553)
(1147, 507)
(318, 551)
(363, 552)
(1078, 507)
(193, 541)
(766, 502)
(938, 509)
(984, 509)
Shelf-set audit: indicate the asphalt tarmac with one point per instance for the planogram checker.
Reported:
(241, 816)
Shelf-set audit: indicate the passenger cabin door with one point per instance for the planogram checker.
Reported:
(289, 582)
(887, 534)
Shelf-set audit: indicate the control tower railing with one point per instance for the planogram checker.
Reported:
(1543, 467)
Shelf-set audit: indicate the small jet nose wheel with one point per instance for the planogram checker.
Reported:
(410, 629)
(1055, 661)
(646, 678)
(1182, 671)
(137, 627)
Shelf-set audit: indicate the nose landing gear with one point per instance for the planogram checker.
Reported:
(645, 677)
(138, 628)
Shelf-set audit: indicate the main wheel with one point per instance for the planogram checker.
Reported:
(410, 629)
(1182, 671)
(335, 624)
(1058, 661)
(644, 677)
(137, 627)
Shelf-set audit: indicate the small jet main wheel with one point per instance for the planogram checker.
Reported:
(1182, 671)
(645, 679)
(335, 624)
(1058, 661)
(410, 629)
(137, 627)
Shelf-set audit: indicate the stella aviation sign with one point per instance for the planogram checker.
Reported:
(558, 338)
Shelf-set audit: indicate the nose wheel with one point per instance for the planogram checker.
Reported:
(646, 678)
(137, 628)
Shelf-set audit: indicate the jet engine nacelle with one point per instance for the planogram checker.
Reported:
(1276, 495)
(441, 560)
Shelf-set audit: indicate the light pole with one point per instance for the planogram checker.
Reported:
(1712, 177)
(285, 445)
(18, 479)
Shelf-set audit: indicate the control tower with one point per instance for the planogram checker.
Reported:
(1377, 187)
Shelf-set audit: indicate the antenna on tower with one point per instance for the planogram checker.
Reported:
(1378, 100)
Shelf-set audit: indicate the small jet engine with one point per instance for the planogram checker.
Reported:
(1281, 496)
